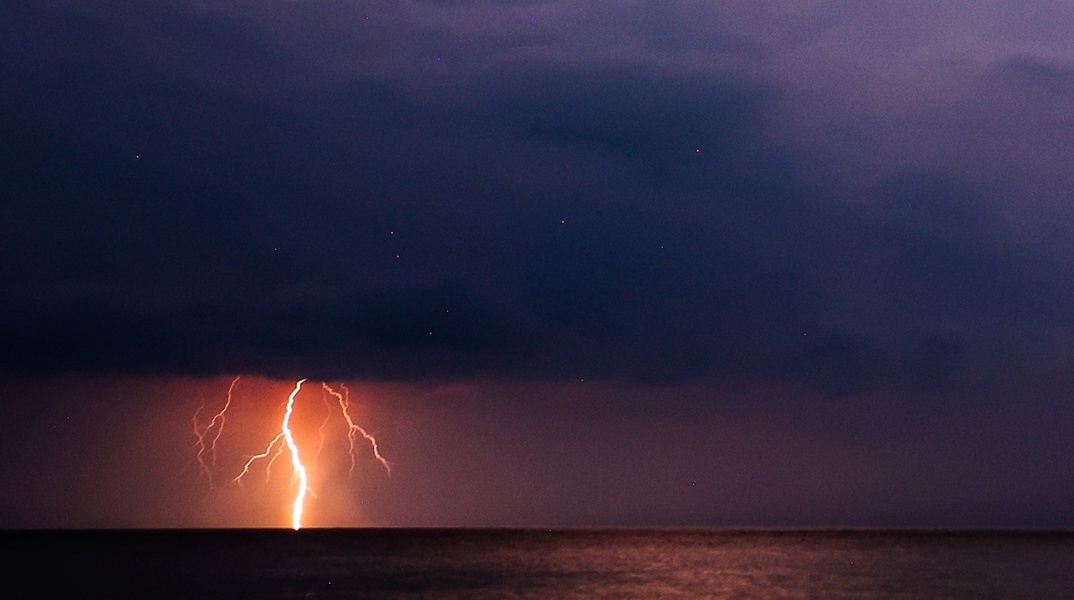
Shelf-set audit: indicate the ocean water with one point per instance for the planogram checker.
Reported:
(514, 563)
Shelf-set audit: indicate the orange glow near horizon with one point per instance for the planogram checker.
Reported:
(208, 434)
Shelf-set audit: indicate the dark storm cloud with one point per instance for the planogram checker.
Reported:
(946, 249)
(193, 193)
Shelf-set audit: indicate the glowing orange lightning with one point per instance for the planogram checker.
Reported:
(209, 434)
(200, 432)
(353, 429)
(272, 444)
(300, 469)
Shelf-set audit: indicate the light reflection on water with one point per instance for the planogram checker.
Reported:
(541, 564)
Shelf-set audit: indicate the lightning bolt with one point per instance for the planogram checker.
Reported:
(354, 430)
(215, 428)
(296, 463)
(322, 430)
(208, 434)
(256, 457)
(300, 469)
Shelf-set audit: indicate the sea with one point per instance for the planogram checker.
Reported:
(537, 563)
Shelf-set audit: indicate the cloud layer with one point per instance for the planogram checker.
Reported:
(851, 195)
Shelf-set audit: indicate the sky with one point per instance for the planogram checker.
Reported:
(722, 263)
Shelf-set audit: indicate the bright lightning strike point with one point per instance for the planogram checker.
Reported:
(300, 469)
(296, 463)
(209, 434)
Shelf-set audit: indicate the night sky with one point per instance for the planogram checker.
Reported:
(733, 263)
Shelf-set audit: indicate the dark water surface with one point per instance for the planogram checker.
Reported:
(512, 563)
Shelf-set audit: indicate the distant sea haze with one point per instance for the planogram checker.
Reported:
(531, 563)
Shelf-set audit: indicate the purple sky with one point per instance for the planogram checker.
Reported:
(605, 263)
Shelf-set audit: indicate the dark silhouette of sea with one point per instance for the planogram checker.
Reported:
(525, 563)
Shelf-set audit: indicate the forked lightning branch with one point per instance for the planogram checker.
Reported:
(208, 435)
